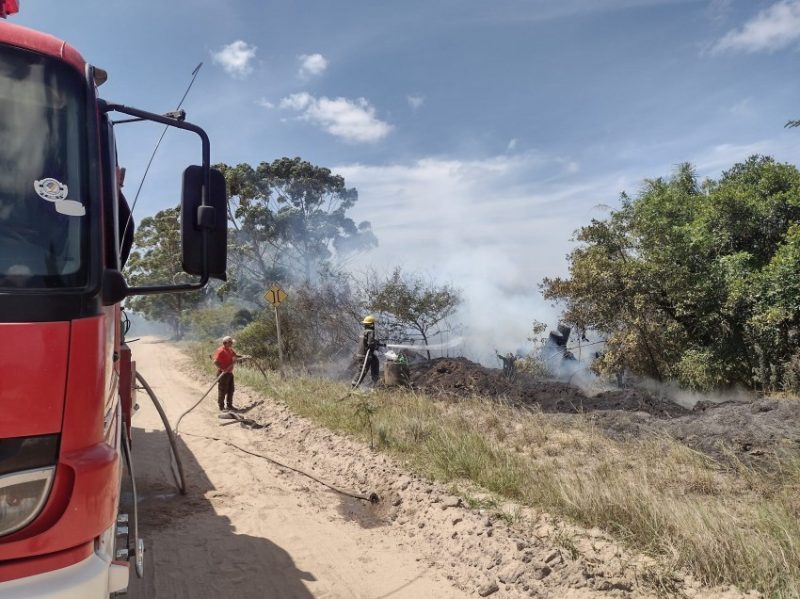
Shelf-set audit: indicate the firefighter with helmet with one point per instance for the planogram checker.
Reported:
(366, 358)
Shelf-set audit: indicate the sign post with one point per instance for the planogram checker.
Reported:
(275, 296)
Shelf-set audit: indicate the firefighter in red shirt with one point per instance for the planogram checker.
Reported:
(224, 359)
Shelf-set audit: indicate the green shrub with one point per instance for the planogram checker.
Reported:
(701, 370)
(534, 365)
(258, 339)
(242, 318)
(213, 323)
(791, 374)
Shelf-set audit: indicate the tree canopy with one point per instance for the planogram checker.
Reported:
(695, 282)
(289, 221)
(156, 260)
(411, 307)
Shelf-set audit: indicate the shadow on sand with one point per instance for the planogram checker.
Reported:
(190, 549)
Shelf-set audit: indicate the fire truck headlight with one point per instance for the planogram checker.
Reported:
(22, 496)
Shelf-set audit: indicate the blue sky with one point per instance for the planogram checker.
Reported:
(480, 134)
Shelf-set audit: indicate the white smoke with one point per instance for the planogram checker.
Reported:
(493, 228)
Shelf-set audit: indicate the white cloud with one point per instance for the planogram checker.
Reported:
(312, 64)
(350, 120)
(236, 59)
(724, 156)
(512, 144)
(771, 29)
(264, 103)
(297, 101)
(415, 102)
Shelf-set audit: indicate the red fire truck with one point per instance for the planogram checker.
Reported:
(65, 371)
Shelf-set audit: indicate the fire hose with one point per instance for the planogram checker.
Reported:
(219, 376)
(177, 465)
(363, 373)
(264, 374)
(177, 424)
(360, 378)
(371, 497)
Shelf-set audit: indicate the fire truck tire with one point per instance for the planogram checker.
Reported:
(175, 461)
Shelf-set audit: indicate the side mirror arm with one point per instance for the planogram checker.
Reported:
(170, 121)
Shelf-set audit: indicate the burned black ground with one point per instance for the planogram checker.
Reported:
(754, 430)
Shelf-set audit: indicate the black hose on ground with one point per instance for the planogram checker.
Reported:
(371, 497)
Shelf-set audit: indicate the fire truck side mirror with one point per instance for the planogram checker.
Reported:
(114, 287)
(196, 219)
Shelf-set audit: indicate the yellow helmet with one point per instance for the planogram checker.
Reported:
(370, 319)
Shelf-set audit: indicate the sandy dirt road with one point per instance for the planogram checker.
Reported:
(247, 528)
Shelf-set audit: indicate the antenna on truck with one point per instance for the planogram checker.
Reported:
(178, 115)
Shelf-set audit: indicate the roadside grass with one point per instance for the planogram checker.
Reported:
(726, 523)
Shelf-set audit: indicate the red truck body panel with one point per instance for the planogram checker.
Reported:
(85, 494)
(32, 400)
(22, 37)
(60, 377)
(68, 373)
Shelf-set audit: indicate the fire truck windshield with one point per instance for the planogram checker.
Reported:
(43, 163)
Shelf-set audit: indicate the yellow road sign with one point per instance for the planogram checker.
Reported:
(275, 295)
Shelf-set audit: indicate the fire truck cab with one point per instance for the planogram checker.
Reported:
(64, 236)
